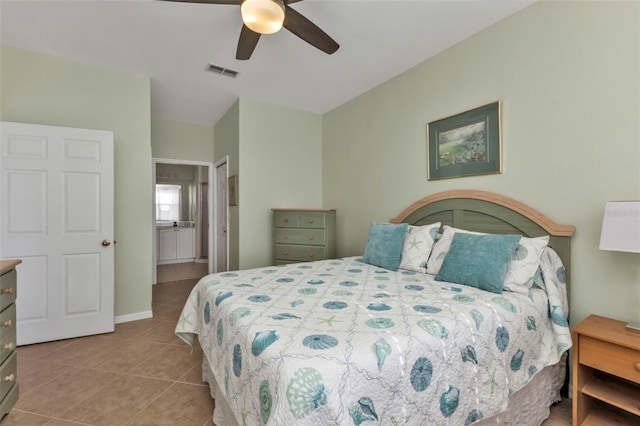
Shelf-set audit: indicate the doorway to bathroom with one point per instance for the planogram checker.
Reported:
(182, 214)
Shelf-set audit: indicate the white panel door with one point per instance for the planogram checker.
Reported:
(56, 214)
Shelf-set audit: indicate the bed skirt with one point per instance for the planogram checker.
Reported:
(527, 407)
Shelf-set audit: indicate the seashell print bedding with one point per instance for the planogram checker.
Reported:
(342, 342)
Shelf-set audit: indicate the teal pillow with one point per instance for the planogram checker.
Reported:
(384, 247)
(479, 261)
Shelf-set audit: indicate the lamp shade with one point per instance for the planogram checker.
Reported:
(263, 16)
(621, 226)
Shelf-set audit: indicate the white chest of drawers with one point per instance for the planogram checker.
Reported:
(303, 235)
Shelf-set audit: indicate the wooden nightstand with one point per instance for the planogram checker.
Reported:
(606, 373)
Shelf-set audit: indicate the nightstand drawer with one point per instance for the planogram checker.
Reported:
(8, 375)
(301, 253)
(7, 289)
(8, 321)
(608, 357)
(310, 237)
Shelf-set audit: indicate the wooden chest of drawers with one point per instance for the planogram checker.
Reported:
(8, 359)
(303, 235)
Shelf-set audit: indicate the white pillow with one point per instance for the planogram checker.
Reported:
(441, 247)
(524, 264)
(417, 246)
(521, 270)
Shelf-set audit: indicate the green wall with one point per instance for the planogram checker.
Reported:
(181, 141)
(277, 154)
(567, 76)
(226, 134)
(280, 166)
(42, 89)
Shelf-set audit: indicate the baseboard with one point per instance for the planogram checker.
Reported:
(133, 317)
(202, 260)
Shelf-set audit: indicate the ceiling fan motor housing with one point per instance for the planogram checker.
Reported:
(263, 16)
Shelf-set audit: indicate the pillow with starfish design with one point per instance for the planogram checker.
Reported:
(418, 242)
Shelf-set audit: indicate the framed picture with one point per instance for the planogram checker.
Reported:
(465, 144)
(233, 190)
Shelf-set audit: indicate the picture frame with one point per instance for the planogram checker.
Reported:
(465, 144)
(232, 183)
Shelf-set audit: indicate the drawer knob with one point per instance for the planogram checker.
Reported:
(9, 346)
(7, 323)
(285, 236)
(286, 252)
(637, 366)
(310, 220)
(10, 378)
(310, 254)
(311, 237)
(8, 290)
(286, 220)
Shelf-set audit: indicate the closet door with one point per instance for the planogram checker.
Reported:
(57, 215)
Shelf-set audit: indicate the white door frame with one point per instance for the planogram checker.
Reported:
(156, 160)
(222, 161)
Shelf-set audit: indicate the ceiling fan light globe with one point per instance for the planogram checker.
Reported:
(263, 16)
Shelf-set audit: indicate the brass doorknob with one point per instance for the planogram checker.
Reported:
(106, 243)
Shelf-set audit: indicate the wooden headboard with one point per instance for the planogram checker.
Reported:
(491, 213)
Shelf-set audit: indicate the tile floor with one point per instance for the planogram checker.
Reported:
(141, 374)
(181, 271)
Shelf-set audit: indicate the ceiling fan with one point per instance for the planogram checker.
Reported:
(269, 16)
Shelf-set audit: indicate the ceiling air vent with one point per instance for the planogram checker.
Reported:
(222, 70)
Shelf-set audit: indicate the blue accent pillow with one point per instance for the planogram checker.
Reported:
(479, 261)
(384, 247)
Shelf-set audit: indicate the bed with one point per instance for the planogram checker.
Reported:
(344, 341)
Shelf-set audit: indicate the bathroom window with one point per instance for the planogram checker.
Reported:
(168, 202)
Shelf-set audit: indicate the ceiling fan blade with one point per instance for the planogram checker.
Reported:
(247, 43)
(308, 31)
(206, 1)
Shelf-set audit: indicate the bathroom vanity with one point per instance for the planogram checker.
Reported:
(176, 244)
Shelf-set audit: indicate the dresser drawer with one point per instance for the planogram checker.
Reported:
(7, 344)
(312, 237)
(8, 321)
(8, 375)
(300, 253)
(286, 219)
(311, 219)
(7, 289)
(608, 357)
(299, 219)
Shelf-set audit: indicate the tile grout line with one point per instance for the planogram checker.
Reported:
(118, 375)
(140, 411)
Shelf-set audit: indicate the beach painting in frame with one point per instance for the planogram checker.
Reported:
(465, 144)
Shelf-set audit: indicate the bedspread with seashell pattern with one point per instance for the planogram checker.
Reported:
(346, 343)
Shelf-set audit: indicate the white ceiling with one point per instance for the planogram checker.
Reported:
(173, 42)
